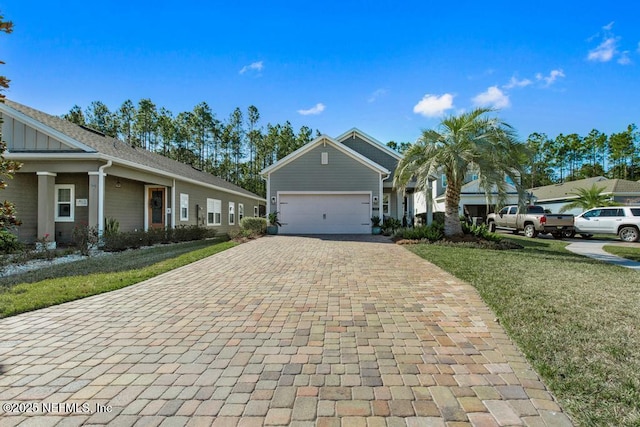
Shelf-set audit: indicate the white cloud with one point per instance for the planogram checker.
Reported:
(377, 94)
(624, 58)
(254, 66)
(434, 105)
(514, 82)
(551, 78)
(609, 26)
(317, 109)
(604, 52)
(492, 97)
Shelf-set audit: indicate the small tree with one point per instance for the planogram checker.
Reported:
(7, 167)
(589, 198)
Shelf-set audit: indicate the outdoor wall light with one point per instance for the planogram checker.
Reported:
(118, 184)
(273, 200)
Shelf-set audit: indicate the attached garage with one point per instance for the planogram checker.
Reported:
(325, 213)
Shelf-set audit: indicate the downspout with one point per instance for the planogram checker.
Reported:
(173, 204)
(101, 189)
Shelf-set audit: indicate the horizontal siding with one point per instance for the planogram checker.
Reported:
(198, 199)
(64, 230)
(342, 173)
(126, 204)
(371, 152)
(22, 190)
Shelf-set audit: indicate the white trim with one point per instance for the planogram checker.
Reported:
(184, 200)
(369, 139)
(388, 211)
(232, 213)
(47, 130)
(324, 139)
(212, 205)
(56, 202)
(46, 174)
(145, 203)
(173, 204)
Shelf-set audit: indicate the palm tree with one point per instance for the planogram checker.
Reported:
(469, 141)
(589, 198)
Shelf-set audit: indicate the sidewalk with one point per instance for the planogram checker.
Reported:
(594, 249)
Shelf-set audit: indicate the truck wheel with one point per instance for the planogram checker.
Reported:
(569, 233)
(492, 227)
(557, 236)
(530, 231)
(629, 234)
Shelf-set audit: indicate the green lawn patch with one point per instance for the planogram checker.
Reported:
(67, 282)
(577, 321)
(624, 252)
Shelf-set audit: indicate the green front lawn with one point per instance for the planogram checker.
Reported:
(623, 251)
(577, 320)
(67, 282)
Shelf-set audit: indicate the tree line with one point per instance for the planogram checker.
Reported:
(235, 149)
(572, 157)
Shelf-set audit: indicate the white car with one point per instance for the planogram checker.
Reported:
(621, 220)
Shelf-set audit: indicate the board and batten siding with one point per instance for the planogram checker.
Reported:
(341, 173)
(20, 137)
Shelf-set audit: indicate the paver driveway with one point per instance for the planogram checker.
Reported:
(279, 331)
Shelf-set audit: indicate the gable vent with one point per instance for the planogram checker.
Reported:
(324, 158)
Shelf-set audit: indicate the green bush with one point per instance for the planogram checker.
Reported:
(432, 232)
(481, 231)
(438, 218)
(111, 226)
(9, 242)
(391, 225)
(254, 225)
(135, 239)
(85, 238)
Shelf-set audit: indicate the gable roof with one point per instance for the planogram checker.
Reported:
(85, 143)
(565, 190)
(320, 140)
(374, 142)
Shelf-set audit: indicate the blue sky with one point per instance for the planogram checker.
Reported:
(388, 68)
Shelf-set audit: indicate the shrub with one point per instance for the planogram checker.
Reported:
(111, 226)
(254, 225)
(432, 232)
(136, 239)
(438, 218)
(391, 225)
(9, 242)
(85, 238)
(481, 231)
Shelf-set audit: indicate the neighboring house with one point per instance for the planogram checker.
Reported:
(554, 197)
(335, 186)
(474, 203)
(74, 176)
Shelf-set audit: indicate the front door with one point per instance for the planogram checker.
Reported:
(156, 196)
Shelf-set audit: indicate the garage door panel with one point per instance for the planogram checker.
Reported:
(325, 213)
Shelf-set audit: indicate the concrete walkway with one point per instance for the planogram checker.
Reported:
(594, 249)
(296, 331)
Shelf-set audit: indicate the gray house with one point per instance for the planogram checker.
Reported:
(335, 186)
(73, 175)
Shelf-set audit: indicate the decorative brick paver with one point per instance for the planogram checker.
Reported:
(301, 331)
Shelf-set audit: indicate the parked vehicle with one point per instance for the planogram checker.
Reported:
(621, 220)
(533, 221)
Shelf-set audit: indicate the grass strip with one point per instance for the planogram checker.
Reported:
(23, 297)
(577, 320)
(625, 252)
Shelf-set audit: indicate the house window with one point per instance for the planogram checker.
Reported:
(64, 203)
(386, 206)
(214, 212)
(509, 181)
(474, 177)
(256, 213)
(444, 180)
(184, 207)
(232, 213)
(240, 211)
(324, 158)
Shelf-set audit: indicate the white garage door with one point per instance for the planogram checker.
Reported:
(325, 214)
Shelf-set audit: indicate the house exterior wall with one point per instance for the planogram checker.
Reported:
(126, 204)
(371, 152)
(197, 213)
(21, 137)
(22, 190)
(342, 173)
(64, 230)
